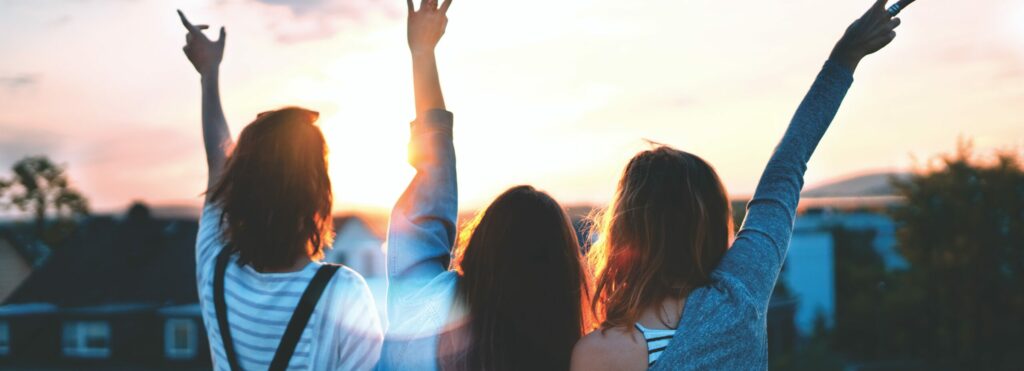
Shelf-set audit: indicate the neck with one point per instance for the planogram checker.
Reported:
(299, 263)
(664, 315)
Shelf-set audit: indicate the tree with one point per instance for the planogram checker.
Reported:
(962, 230)
(40, 187)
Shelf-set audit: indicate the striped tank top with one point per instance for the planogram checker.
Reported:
(657, 341)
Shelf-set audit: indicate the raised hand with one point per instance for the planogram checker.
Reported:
(427, 25)
(205, 54)
(872, 32)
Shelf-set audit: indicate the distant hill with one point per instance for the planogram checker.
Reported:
(866, 185)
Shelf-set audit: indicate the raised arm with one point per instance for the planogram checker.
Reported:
(205, 55)
(760, 248)
(422, 227)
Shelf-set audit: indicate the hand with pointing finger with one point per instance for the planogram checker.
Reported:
(427, 25)
(872, 32)
(205, 54)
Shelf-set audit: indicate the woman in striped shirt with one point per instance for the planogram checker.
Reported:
(267, 302)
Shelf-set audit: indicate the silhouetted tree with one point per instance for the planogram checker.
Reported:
(961, 303)
(40, 187)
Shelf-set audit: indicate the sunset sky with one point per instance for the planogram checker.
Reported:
(558, 94)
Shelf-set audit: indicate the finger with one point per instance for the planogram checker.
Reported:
(223, 36)
(432, 4)
(188, 25)
(411, 8)
(895, 22)
(874, 9)
(882, 11)
(445, 5)
(886, 28)
(202, 26)
(423, 4)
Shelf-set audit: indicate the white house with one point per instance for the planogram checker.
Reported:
(359, 245)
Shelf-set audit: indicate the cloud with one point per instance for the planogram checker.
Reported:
(345, 9)
(17, 82)
(321, 19)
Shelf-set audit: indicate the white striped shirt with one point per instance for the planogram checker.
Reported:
(657, 340)
(344, 332)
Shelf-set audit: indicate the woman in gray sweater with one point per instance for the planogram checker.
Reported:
(675, 289)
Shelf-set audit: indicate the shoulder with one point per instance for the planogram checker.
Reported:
(358, 308)
(350, 284)
(208, 240)
(617, 348)
(209, 233)
(347, 289)
(728, 287)
(210, 214)
(347, 276)
(724, 305)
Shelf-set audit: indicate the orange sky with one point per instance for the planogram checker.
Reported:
(558, 94)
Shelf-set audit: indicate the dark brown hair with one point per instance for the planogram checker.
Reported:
(275, 193)
(524, 285)
(666, 229)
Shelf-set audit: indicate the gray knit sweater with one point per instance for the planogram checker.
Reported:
(723, 324)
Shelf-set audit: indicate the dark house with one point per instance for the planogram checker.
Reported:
(19, 255)
(121, 293)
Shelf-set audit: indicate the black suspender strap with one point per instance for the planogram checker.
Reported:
(221, 306)
(300, 317)
(292, 334)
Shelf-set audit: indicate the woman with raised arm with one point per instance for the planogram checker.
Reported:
(513, 294)
(267, 301)
(676, 292)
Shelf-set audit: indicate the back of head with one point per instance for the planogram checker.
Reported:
(275, 193)
(665, 230)
(524, 285)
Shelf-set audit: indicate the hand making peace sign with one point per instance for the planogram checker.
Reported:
(868, 34)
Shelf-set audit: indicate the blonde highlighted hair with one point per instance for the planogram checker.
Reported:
(666, 229)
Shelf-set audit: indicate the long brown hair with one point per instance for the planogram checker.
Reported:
(274, 193)
(524, 285)
(666, 229)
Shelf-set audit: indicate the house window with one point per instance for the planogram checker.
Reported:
(87, 339)
(5, 338)
(180, 336)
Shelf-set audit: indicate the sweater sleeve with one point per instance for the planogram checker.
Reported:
(421, 231)
(755, 258)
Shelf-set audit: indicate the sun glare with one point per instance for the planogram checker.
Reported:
(367, 166)
(368, 131)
